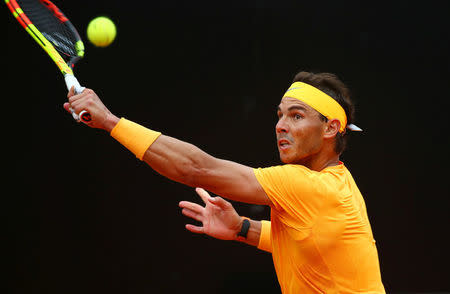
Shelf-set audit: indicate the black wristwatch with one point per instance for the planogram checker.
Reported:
(244, 229)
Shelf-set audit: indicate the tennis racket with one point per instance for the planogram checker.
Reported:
(51, 29)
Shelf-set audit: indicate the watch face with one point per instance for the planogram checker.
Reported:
(244, 228)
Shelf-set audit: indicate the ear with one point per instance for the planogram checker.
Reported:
(332, 128)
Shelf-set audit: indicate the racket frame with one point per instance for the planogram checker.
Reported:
(66, 68)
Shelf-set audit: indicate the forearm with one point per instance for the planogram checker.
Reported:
(173, 158)
(177, 160)
(253, 235)
(185, 163)
(258, 235)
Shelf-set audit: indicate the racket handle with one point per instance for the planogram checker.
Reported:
(71, 81)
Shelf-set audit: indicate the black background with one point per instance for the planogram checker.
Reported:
(83, 215)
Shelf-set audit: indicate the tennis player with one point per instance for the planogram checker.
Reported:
(319, 234)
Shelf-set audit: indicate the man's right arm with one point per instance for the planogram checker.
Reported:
(221, 221)
(259, 235)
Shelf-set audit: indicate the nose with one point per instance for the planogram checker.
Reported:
(281, 126)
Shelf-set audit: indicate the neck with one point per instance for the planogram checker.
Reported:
(321, 160)
(321, 164)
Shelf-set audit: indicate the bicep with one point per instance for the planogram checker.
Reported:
(187, 164)
(231, 180)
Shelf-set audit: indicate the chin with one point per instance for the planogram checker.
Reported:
(283, 160)
(286, 159)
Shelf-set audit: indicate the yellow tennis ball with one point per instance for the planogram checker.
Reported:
(101, 31)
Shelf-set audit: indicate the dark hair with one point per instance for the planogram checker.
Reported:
(331, 85)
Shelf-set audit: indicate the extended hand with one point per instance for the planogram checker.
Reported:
(101, 117)
(220, 220)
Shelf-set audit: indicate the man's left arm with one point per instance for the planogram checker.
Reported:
(187, 164)
(173, 158)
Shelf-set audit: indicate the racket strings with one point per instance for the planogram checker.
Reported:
(56, 31)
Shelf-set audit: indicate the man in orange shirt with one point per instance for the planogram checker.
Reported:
(319, 235)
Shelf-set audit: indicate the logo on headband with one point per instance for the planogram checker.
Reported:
(293, 89)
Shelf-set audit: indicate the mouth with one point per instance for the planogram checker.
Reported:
(283, 144)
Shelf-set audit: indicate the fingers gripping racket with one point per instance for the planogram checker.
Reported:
(51, 29)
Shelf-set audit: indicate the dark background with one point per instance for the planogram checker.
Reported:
(83, 215)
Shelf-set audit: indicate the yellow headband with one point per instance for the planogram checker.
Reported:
(318, 100)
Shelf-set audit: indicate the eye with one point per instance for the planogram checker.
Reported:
(297, 116)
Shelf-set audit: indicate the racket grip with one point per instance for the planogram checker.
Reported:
(71, 81)
(83, 116)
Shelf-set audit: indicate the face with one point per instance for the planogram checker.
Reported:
(299, 131)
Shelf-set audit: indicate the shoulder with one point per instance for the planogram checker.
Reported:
(287, 170)
(287, 179)
(335, 174)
